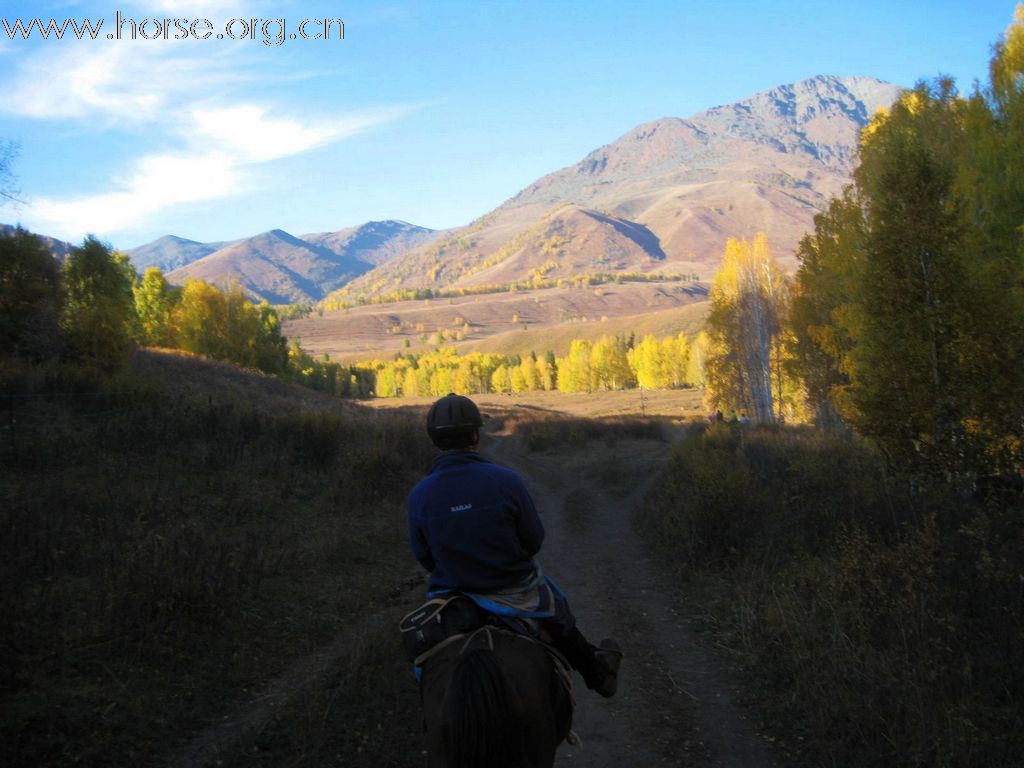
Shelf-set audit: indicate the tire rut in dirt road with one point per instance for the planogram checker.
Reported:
(674, 705)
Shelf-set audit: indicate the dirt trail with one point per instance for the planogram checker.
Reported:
(675, 704)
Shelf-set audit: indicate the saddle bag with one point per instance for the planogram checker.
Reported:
(435, 621)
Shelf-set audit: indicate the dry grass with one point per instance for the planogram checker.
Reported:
(552, 318)
(881, 625)
(682, 404)
(173, 539)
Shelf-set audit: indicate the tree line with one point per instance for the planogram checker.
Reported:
(610, 363)
(94, 309)
(905, 319)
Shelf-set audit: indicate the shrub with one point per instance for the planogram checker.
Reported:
(888, 622)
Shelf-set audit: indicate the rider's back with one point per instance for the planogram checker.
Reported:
(473, 525)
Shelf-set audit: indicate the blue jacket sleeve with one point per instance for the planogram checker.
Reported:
(528, 525)
(417, 537)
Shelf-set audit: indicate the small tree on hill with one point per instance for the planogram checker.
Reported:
(155, 300)
(99, 311)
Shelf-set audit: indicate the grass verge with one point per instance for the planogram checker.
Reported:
(172, 539)
(881, 626)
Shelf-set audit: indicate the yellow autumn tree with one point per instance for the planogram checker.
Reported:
(745, 349)
(609, 364)
(574, 369)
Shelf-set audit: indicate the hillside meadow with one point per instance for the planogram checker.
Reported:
(515, 322)
(173, 538)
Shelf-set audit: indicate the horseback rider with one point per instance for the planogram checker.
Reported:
(474, 527)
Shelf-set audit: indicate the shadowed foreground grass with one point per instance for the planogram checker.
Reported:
(881, 626)
(174, 538)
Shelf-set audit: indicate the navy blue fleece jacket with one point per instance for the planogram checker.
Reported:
(473, 525)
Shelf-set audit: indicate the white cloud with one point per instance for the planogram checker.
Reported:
(159, 182)
(177, 96)
(225, 142)
(75, 82)
(125, 83)
(252, 136)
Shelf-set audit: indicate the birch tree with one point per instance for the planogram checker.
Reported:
(744, 351)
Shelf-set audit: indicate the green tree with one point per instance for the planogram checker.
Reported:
(909, 314)
(830, 259)
(99, 310)
(270, 353)
(30, 298)
(911, 317)
(155, 300)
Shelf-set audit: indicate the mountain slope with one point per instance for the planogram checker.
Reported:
(570, 241)
(767, 163)
(283, 269)
(375, 242)
(170, 252)
(275, 266)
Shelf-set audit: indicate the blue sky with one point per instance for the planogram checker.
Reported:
(430, 112)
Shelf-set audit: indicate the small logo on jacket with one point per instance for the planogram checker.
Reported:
(462, 508)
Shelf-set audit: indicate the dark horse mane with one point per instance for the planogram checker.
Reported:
(477, 715)
(497, 703)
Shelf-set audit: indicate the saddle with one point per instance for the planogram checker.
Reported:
(436, 624)
(455, 618)
(444, 620)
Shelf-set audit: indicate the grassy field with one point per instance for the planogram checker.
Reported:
(506, 322)
(682, 404)
(174, 539)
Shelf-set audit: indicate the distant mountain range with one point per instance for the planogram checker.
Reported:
(280, 267)
(171, 252)
(662, 198)
(665, 196)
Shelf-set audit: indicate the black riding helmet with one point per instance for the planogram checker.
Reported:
(452, 422)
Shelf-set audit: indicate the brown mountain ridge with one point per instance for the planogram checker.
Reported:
(285, 269)
(767, 163)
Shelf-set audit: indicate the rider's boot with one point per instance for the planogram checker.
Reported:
(598, 666)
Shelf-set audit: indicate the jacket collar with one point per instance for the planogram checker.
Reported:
(457, 458)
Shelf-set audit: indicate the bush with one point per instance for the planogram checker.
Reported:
(889, 623)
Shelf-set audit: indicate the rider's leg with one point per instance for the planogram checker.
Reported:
(598, 666)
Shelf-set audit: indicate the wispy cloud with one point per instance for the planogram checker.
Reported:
(128, 83)
(160, 181)
(252, 136)
(177, 100)
(225, 143)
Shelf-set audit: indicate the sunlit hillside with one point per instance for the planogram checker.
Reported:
(508, 322)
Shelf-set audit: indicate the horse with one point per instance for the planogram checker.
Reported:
(496, 699)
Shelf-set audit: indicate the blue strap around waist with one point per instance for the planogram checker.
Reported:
(547, 592)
